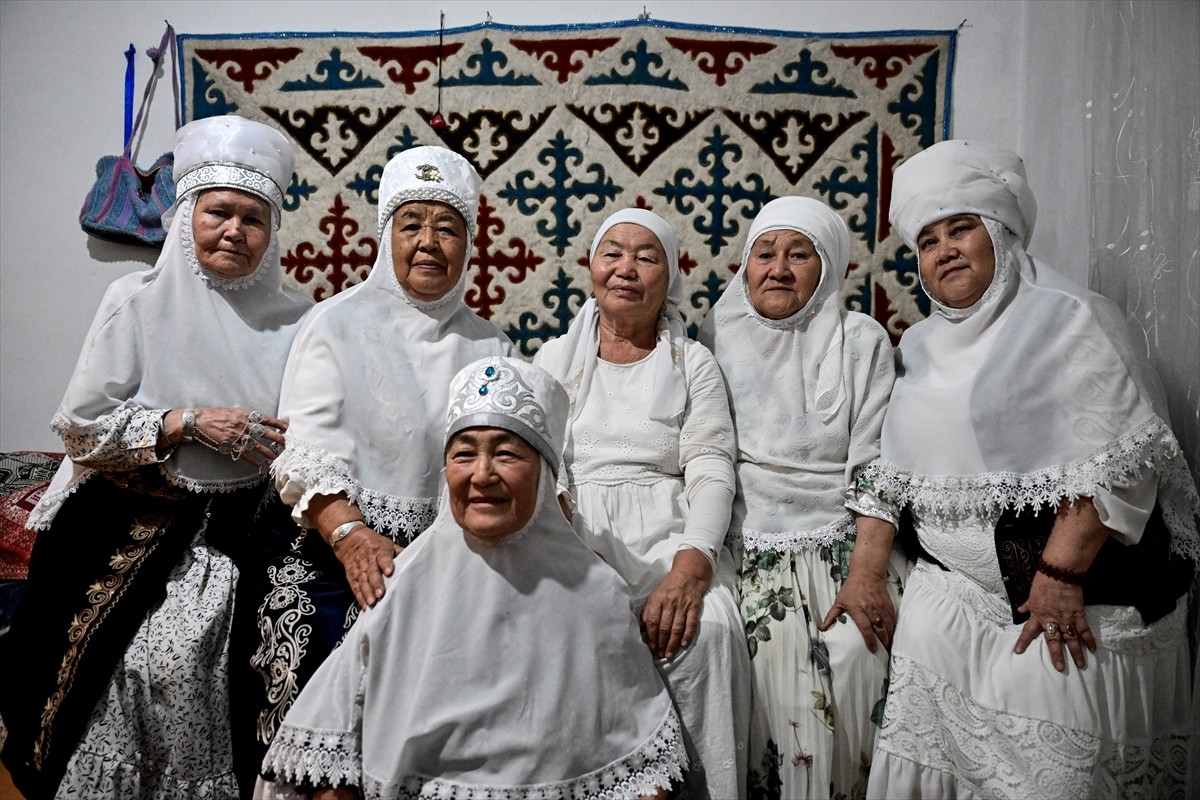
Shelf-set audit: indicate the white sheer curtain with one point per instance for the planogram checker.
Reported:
(1142, 128)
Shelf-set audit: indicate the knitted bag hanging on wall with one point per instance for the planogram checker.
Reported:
(126, 203)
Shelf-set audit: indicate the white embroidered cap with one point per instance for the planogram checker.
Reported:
(430, 173)
(514, 395)
(233, 153)
(962, 177)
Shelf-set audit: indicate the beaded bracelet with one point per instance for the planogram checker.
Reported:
(1060, 574)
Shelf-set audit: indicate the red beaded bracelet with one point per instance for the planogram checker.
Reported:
(1060, 574)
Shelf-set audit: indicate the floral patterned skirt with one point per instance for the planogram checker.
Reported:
(818, 696)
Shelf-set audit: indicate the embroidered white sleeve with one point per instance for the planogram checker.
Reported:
(304, 470)
(123, 439)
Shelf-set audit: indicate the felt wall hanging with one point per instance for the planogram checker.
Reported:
(567, 124)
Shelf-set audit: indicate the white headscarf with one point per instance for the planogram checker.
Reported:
(807, 392)
(478, 673)
(1036, 392)
(365, 386)
(573, 355)
(178, 336)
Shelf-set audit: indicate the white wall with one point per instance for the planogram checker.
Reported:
(1017, 82)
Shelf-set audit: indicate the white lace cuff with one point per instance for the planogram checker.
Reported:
(793, 541)
(304, 470)
(123, 439)
(307, 757)
(1149, 446)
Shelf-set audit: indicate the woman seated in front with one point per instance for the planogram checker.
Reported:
(504, 659)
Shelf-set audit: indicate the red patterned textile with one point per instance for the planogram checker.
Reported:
(568, 123)
(24, 475)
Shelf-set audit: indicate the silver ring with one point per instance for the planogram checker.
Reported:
(878, 622)
(256, 430)
(1070, 631)
(255, 417)
(1052, 630)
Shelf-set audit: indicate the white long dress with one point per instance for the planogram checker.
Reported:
(979, 720)
(633, 479)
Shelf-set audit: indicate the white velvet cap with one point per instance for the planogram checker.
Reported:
(958, 176)
(430, 173)
(514, 395)
(232, 152)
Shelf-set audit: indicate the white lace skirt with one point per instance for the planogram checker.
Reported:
(161, 728)
(967, 717)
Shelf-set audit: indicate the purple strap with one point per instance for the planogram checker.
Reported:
(156, 53)
(129, 67)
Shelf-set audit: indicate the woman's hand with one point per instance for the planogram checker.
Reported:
(1056, 606)
(332, 793)
(1059, 604)
(365, 555)
(672, 611)
(215, 426)
(864, 596)
(367, 558)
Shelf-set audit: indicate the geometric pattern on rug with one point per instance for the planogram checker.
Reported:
(566, 124)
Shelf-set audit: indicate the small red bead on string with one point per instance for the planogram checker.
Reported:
(437, 121)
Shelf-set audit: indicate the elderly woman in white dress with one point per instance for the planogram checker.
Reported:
(365, 397)
(1040, 650)
(504, 659)
(650, 467)
(808, 383)
(119, 659)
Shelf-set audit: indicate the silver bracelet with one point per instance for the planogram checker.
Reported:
(344, 530)
(189, 424)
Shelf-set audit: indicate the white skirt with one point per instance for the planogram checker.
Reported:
(967, 717)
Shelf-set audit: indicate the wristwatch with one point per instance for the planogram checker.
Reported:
(344, 530)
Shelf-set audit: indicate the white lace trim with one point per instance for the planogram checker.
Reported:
(44, 512)
(399, 518)
(657, 763)
(315, 757)
(995, 754)
(428, 193)
(793, 541)
(231, 175)
(210, 486)
(1151, 445)
(188, 234)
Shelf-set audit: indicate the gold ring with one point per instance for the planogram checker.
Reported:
(1052, 630)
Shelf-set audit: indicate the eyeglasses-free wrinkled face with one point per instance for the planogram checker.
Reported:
(782, 272)
(957, 259)
(492, 479)
(232, 230)
(630, 273)
(429, 247)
